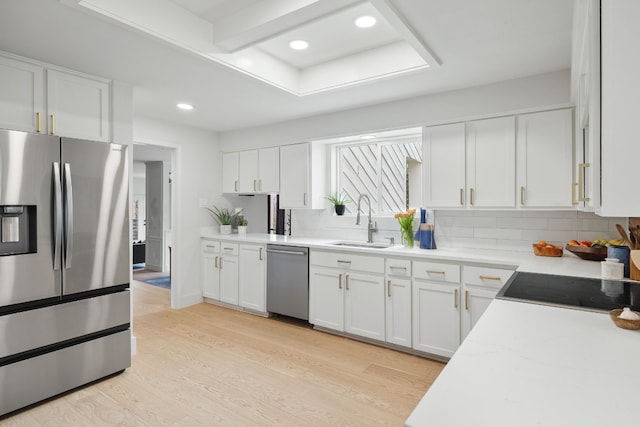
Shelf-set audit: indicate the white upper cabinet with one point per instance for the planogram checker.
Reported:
(248, 171)
(302, 168)
(230, 170)
(619, 144)
(21, 92)
(78, 106)
(444, 159)
(251, 171)
(544, 159)
(490, 158)
(269, 170)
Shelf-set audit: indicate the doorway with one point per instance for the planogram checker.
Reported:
(152, 223)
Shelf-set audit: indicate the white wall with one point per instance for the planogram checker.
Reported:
(195, 175)
(518, 95)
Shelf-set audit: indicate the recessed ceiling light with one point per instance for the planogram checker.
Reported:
(298, 45)
(184, 106)
(367, 136)
(365, 21)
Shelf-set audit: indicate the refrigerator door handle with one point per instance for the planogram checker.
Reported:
(57, 216)
(68, 205)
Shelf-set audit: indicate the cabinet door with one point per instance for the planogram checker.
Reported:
(230, 170)
(248, 172)
(364, 305)
(398, 311)
(229, 279)
(78, 106)
(436, 317)
(294, 176)
(476, 301)
(491, 162)
(545, 159)
(251, 277)
(269, 170)
(443, 149)
(210, 275)
(326, 298)
(21, 91)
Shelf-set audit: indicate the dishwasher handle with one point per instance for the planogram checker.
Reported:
(278, 251)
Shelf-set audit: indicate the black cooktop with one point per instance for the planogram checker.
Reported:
(575, 292)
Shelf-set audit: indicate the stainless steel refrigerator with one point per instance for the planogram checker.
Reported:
(64, 265)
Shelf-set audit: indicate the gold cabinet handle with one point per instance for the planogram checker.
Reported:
(254, 185)
(216, 262)
(490, 278)
(220, 263)
(471, 196)
(389, 288)
(466, 300)
(462, 197)
(574, 187)
(581, 169)
(343, 261)
(235, 185)
(259, 185)
(304, 199)
(53, 124)
(228, 249)
(435, 272)
(339, 281)
(395, 267)
(455, 298)
(346, 281)
(38, 127)
(260, 254)
(522, 196)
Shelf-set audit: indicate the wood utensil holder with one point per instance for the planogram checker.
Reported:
(634, 264)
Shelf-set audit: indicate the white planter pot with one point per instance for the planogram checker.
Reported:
(242, 231)
(225, 229)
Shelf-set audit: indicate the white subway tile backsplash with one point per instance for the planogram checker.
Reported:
(509, 230)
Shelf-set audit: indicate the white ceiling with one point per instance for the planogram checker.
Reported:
(477, 42)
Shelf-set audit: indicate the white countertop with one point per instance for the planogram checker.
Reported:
(533, 365)
(567, 265)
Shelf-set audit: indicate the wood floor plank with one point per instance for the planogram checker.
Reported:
(208, 365)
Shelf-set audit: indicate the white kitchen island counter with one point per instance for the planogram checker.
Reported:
(533, 365)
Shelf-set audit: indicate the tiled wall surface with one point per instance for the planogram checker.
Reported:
(508, 230)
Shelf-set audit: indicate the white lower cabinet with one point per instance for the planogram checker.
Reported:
(479, 286)
(436, 308)
(211, 269)
(252, 277)
(229, 273)
(345, 296)
(398, 302)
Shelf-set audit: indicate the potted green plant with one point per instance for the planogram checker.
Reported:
(225, 217)
(242, 227)
(339, 200)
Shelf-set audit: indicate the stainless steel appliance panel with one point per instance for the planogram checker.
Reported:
(32, 380)
(288, 280)
(26, 171)
(95, 182)
(62, 322)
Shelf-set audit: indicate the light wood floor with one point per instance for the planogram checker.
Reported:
(207, 366)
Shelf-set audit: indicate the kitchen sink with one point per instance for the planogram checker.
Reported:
(374, 245)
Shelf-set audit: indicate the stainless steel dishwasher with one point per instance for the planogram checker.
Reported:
(288, 281)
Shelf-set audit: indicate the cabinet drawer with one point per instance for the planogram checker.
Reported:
(398, 267)
(486, 276)
(211, 246)
(347, 261)
(229, 248)
(436, 271)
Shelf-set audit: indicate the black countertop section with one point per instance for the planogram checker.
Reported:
(573, 292)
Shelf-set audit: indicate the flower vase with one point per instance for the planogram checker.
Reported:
(407, 237)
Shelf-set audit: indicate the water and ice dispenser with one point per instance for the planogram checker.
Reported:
(18, 234)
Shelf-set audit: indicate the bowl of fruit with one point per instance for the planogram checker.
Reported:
(543, 248)
(591, 251)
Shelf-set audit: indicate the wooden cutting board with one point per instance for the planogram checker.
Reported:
(634, 257)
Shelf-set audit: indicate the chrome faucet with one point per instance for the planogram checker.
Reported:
(371, 226)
